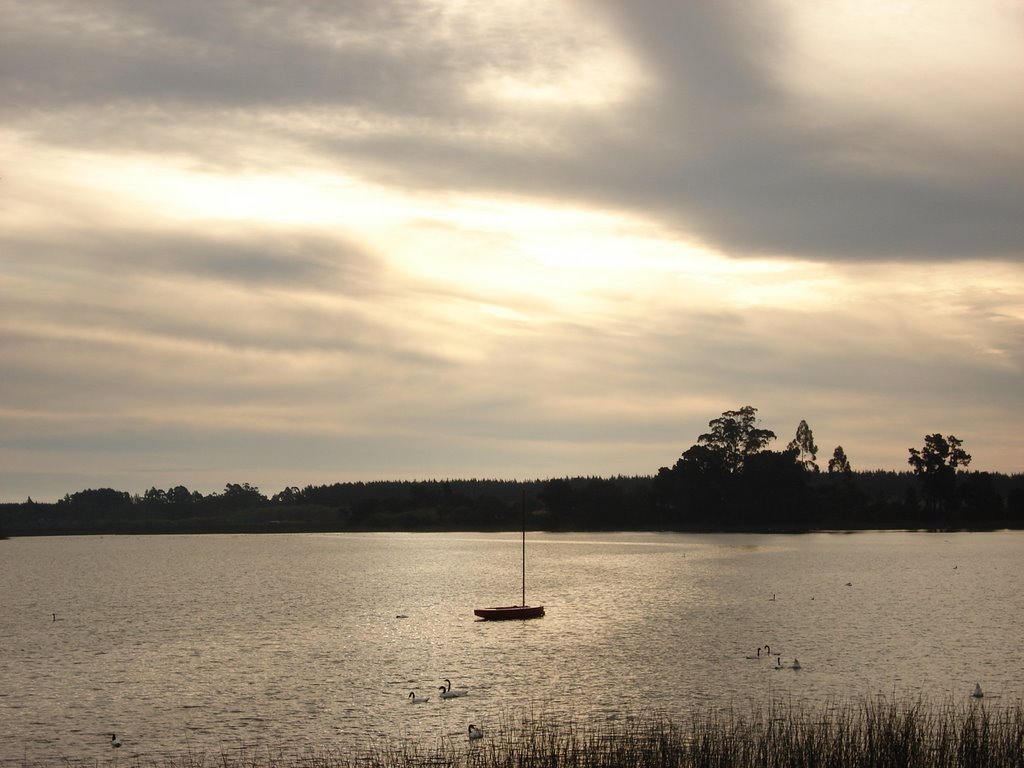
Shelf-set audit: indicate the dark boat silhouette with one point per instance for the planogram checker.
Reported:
(523, 611)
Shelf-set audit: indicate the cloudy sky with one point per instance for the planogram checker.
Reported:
(302, 242)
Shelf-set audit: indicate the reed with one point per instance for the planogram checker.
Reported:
(876, 733)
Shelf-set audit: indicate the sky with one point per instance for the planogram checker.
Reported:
(301, 242)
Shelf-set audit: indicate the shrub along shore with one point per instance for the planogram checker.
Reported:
(877, 733)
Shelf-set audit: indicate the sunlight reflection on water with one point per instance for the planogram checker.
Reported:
(220, 642)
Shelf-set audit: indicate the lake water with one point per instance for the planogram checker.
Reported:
(212, 643)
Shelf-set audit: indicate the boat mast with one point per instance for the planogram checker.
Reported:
(524, 547)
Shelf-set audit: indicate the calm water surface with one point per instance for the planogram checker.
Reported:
(211, 643)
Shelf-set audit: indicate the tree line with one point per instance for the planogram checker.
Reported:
(729, 480)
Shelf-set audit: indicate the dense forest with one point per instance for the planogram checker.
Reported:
(728, 481)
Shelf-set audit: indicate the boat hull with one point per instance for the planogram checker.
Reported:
(508, 612)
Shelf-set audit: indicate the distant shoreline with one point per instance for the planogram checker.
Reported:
(287, 529)
(794, 501)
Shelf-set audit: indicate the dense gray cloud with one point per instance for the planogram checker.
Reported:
(715, 143)
(754, 172)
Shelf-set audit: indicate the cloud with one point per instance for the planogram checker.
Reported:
(437, 238)
(716, 132)
(725, 148)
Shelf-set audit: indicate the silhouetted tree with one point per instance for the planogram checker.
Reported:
(735, 436)
(182, 496)
(287, 496)
(839, 464)
(155, 497)
(693, 492)
(95, 503)
(241, 496)
(803, 443)
(936, 464)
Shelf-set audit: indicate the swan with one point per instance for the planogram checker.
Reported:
(418, 699)
(767, 650)
(474, 732)
(448, 693)
(756, 657)
(796, 663)
(114, 741)
(978, 693)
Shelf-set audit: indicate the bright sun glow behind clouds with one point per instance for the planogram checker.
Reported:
(948, 67)
(566, 256)
(562, 260)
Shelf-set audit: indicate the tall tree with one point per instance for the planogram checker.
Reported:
(937, 464)
(803, 443)
(938, 455)
(735, 436)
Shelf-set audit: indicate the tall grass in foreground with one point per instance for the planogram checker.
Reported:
(875, 734)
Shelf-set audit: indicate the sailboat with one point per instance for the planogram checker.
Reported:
(522, 611)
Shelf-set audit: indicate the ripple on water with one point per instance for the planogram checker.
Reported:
(300, 649)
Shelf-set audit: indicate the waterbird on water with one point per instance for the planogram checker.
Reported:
(978, 693)
(114, 741)
(418, 699)
(448, 693)
(474, 732)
